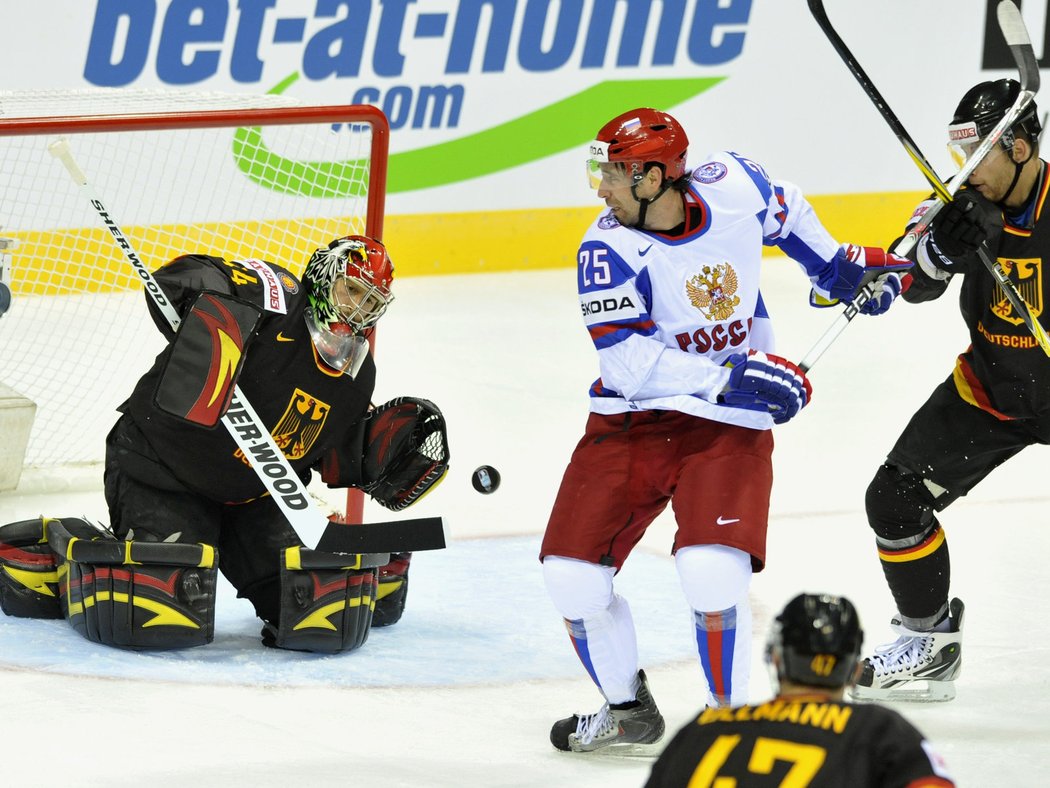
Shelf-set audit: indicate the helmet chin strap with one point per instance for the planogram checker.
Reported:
(644, 202)
(1018, 166)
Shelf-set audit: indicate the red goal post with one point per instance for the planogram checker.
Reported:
(231, 175)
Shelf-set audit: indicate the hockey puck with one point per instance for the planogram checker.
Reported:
(485, 479)
(5, 298)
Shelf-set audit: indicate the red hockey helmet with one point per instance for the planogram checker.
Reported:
(638, 139)
(348, 287)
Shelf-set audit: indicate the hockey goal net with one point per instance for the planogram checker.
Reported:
(229, 175)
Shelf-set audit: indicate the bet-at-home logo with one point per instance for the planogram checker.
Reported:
(374, 50)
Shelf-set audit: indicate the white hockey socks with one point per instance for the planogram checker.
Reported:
(715, 580)
(599, 624)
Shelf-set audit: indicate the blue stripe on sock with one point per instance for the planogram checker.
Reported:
(717, 631)
(578, 636)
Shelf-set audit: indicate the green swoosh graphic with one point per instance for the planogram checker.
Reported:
(552, 129)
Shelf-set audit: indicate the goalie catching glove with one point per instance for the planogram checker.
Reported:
(764, 382)
(855, 267)
(396, 456)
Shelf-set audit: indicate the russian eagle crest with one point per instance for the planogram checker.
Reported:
(713, 291)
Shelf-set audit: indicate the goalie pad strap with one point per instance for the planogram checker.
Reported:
(78, 541)
(206, 357)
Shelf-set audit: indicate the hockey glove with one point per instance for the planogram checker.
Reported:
(956, 233)
(852, 269)
(958, 228)
(762, 381)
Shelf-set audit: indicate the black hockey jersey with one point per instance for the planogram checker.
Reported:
(1004, 372)
(307, 406)
(799, 741)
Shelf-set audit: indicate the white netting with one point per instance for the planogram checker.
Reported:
(101, 101)
(78, 335)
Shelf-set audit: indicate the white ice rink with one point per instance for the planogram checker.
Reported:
(463, 691)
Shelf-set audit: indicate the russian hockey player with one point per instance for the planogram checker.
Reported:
(690, 388)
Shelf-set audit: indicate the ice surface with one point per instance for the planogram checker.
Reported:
(464, 689)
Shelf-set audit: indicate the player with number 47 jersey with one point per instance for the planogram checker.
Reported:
(689, 389)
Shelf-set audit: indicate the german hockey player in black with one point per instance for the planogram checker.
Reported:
(299, 352)
(806, 735)
(992, 405)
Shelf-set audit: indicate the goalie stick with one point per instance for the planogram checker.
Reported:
(268, 461)
(1016, 35)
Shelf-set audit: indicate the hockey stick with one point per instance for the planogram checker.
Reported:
(1013, 29)
(266, 459)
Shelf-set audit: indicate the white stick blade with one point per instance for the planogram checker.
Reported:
(1012, 25)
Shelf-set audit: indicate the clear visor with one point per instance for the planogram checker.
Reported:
(613, 174)
(357, 303)
(963, 141)
(337, 345)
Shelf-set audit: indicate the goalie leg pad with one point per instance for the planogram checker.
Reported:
(134, 595)
(327, 601)
(393, 590)
(28, 571)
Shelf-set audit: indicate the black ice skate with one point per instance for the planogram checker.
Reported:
(918, 666)
(612, 727)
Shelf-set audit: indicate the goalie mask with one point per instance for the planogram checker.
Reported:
(348, 287)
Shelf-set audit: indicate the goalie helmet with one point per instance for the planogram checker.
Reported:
(636, 140)
(981, 109)
(349, 282)
(815, 641)
(348, 286)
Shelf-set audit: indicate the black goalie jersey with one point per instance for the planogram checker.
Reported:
(307, 406)
(801, 741)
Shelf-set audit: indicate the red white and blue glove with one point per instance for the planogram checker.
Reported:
(762, 381)
(854, 268)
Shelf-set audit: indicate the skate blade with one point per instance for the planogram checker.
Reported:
(918, 691)
(645, 752)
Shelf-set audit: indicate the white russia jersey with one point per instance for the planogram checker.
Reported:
(666, 312)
